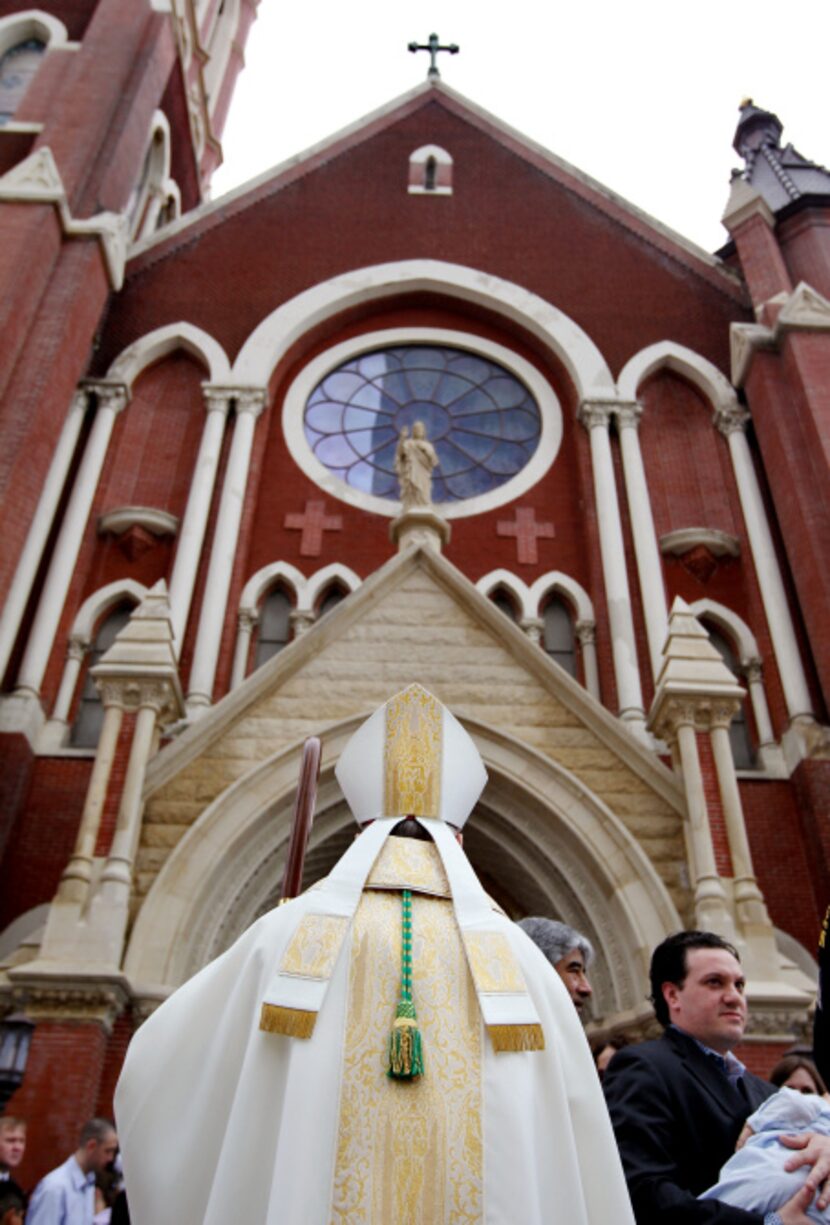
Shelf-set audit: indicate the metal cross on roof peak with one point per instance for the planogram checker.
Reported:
(433, 47)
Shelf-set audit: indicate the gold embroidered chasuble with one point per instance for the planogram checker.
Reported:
(409, 1151)
(220, 1121)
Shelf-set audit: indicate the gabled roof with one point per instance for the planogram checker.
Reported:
(593, 193)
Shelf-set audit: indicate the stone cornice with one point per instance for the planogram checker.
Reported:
(37, 180)
(120, 520)
(53, 992)
(719, 544)
(805, 310)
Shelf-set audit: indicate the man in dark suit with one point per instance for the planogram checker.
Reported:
(679, 1103)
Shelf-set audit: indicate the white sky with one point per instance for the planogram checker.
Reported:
(642, 95)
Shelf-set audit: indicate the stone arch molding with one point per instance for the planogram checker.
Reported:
(274, 336)
(568, 852)
(32, 23)
(668, 355)
(155, 345)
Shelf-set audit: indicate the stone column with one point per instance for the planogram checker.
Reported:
(21, 585)
(646, 548)
(248, 619)
(711, 905)
(78, 872)
(753, 674)
(75, 653)
(693, 678)
(117, 876)
(595, 416)
(197, 511)
(586, 632)
(731, 422)
(249, 405)
(749, 901)
(112, 398)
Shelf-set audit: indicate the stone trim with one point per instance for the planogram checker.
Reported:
(669, 355)
(158, 522)
(720, 544)
(611, 731)
(37, 180)
(278, 332)
(804, 310)
(152, 346)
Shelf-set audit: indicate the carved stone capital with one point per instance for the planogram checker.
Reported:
(250, 400)
(77, 648)
(248, 619)
(300, 620)
(586, 632)
(752, 669)
(627, 414)
(595, 414)
(722, 713)
(133, 693)
(217, 399)
(80, 400)
(110, 395)
(730, 417)
(676, 713)
(55, 995)
(534, 627)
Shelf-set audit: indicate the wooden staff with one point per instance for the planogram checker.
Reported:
(304, 803)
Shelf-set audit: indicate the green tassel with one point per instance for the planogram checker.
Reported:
(406, 1059)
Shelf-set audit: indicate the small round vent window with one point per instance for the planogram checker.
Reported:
(483, 422)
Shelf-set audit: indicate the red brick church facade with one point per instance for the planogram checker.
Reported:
(158, 458)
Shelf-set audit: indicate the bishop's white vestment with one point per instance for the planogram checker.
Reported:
(223, 1123)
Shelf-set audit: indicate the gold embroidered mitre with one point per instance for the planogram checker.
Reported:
(393, 766)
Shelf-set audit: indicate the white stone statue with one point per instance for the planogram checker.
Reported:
(415, 459)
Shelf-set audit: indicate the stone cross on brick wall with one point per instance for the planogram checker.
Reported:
(526, 530)
(312, 523)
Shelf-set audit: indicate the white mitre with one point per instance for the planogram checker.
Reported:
(410, 758)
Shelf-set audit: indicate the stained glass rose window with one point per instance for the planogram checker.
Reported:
(483, 422)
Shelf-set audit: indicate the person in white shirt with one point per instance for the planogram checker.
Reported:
(66, 1196)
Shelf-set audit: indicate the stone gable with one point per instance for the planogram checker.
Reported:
(416, 630)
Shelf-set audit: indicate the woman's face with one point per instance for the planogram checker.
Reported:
(801, 1080)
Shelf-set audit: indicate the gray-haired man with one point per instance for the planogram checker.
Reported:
(568, 951)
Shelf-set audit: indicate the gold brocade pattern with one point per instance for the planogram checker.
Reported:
(410, 1152)
(412, 757)
(493, 963)
(313, 949)
(407, 863)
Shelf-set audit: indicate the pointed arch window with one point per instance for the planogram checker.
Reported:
(90, 713)
(558, 634)
(274, 625)
(332, 596)
(17, 68)
(505, 602)
(743, 749)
